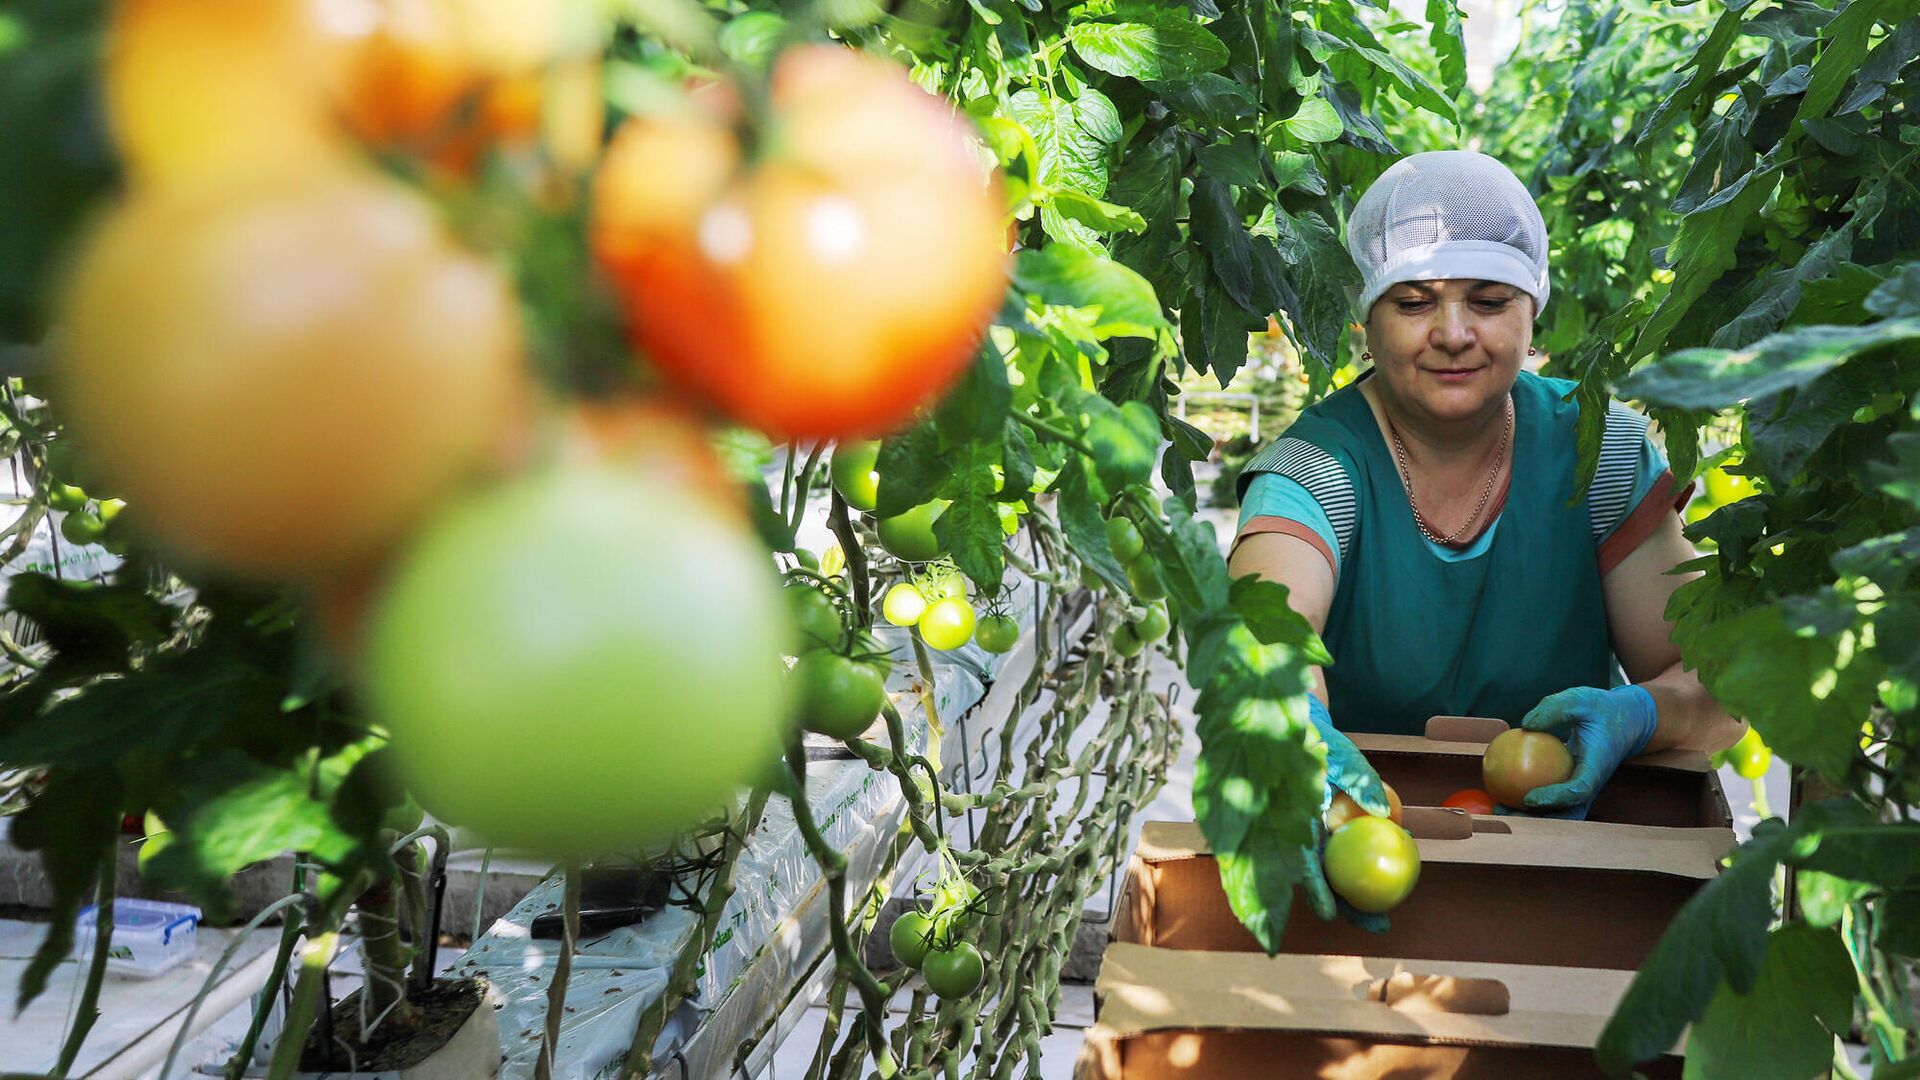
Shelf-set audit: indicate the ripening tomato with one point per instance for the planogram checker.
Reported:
(285, 373)
(1472, 800)
(798, 293)
(1372, 863)
(1345, 809)
(216, 87)
(446, 80)
(560, 672)
(1518, 761)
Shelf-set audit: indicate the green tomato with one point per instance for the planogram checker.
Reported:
(816, 617)
(1750, 757)
(839, 697)
(1091, 578)
(853, 473)
(909, 536)
(66, 497)
(82, 528)
(997, 633)
(1153, 625)
(599, 683)
(947, 624)
(1372, 863)
(954, 972)
(109, 509)
(807, 559)
(1145, 580)
(1124, 539)
(904, 604)
(1126, 642)
(1723, 487)
(911, 937)
(158, 837)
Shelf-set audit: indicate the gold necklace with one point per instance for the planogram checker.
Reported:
(1406, 479)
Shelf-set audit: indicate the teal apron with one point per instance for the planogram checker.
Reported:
(1413, 635)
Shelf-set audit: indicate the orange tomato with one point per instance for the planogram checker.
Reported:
(1518, 761)
(285, 373)
(832, 287)
(1344, 809)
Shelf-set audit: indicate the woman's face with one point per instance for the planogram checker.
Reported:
(1449, 349)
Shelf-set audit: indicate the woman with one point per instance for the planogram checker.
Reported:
(1421, 517)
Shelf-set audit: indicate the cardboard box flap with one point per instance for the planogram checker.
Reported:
(1517, 841)
(1143, 989)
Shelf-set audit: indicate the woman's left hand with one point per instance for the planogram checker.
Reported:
(1602, 728)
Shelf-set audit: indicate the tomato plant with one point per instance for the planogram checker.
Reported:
(661, 625)
(1517, 761)
(1372, 863)
(795, 292)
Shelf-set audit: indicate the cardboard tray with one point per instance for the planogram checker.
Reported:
(1528, 891)
(1668, 788)
(1166, 1014)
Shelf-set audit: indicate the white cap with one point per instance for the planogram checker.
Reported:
(1448, 214)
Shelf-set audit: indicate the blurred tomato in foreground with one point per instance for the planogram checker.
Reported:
(828, 288)
(583, 659)
(285, 373)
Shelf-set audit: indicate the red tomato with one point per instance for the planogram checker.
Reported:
(832, 287)
(1472, 800)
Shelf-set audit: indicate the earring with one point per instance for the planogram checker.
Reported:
(1366, 356)
(1531, 351)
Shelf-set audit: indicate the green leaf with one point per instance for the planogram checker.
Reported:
(1069, 276)
(1704, 250)
(1901, 476)
(1824, 897)
(1449, 44)
(1263, 604)
(84, 620)
(970, 528)
(1770, 309)
(1784, 432)
(1315, 122)
(1715, 378)
(1841, 298)
(1719, 936)
(1798, 689)
(1843, 47)
(1101, 217)
(1258, 878)
(1016, 462)
(1898, 297)
(1414, 86)
(71, 821)
(1212, 101)
(1236, 162)
(977, 407)
(1898, 929)
(912, 467)
(1125, 441)
(1322, 271)
(1879, 853)
(1219, 231)
(1885, 560)
(166, 708)
(1073, 137)
(1084, 526)
(1783, 1029)
(1188, 557)
(751, 38)
(1161, 45)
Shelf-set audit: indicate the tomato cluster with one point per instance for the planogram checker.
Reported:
(929, 939)
(298, 368)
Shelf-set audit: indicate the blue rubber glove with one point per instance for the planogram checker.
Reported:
(1602, 728)
(1348, 771)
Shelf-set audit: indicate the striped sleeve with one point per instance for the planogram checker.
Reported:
(1612, 492)
(1640, 488)
(1322, 477)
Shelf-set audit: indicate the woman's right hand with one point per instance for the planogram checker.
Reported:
(1348, 771)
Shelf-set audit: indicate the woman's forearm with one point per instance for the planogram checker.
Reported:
(1689, 718)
